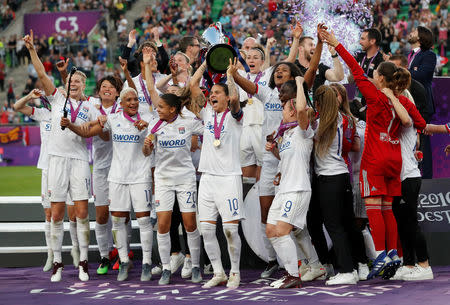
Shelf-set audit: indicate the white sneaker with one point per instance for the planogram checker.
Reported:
(57, 272)
(186, 272)
(217, 279)
(234, 280)
(313, 272)
(83, 274)
(176, 261)
(398, 276)
(418, 273)
(208, 269)
(341, 278)
(303, 269)
(363, 271)
(355, 275)
(49, 263)
(75, 253)
(157, 270)
(277, 282)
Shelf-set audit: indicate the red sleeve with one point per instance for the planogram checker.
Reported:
(368, 90)
(417, 119)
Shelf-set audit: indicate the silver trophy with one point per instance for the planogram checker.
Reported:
(219, 50)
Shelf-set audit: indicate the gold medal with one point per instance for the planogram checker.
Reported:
(216, 142)
(250, 101)
(151, 137)
(151, 108)
(280, 139)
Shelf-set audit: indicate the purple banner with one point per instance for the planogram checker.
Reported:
(50, 23)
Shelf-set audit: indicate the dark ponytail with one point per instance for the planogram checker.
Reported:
(397, 79)
(173, 101)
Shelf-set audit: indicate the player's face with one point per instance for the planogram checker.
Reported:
(77, 86)
(165, 111)
(254, 61)
(308, 48)
(107, 91)
(181, 61)
(130, 103)
(285, 94)
(282, 74)
(364, 41)
(248, 44)
(218, 98)
(288, 112)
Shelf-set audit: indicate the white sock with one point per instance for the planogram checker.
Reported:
(48, 237)
(109, 232)
(370, 246)
(193, 240)
(212, 246)
(272, 255)
(101, 234)
(119, 229)
(73, 233)
(305, 244)
(83, 233)
(57, 234)
(164, 245)
(285, 248)
(146, 234)
(129, 234)
(234, 245)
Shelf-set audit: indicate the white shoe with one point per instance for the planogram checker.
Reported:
(398, 276)
(157, 270)
(57, 272)
(208, 269)
(83, 274)
(176, 261)
(279, 282)
(341, 278)
(234, 280)
(217, 279)
(186, 272)
(418, 273)
(75, 253)
(363, 271)
(313, 272)
(303, 269)
(49, 263)
(355, 275)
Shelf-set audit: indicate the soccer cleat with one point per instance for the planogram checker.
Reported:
(208, 269)
(116, 265)
(302, 269)
(418, 273)
(75, 253)
(363, 271)
(277, 283)
(271, 267)
(341, 278)
(176, 261)
(378, 265)
(186, 272)
(196, 275)
(398, 276)
(217, 279)
(123, 271)
(313, 272)
(234, 280)
(165, 277)
(290, 281)
(105, 265)
(57, 272)
(146, 274)
(48, 263)
(83, 273)
(157, 270)
(113, 254)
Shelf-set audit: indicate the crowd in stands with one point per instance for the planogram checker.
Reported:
(171, 20)
(8, 9)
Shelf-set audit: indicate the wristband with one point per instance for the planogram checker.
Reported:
(238, 115)
(335, 55)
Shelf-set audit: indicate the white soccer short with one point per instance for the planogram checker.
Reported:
(251, 146)
(68, 176)
(269, 170)
(123, 196)
(186, 195)
(100, 186)
(220, 195)
(44, 190)
(291, 208)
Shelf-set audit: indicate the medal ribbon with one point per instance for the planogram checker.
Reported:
(144, 89)
(364, 59)
(113, 110)
(218, 129)
(130, 119)
(283, 127)
(258, 77)
(74, 113)
(158, 124)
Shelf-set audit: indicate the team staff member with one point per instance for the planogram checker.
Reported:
(129, 177)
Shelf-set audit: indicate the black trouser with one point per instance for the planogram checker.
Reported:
(177, 219)
(427, 162)
(333, 194)
(410, 233)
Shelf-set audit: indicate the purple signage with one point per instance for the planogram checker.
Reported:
(49, 23)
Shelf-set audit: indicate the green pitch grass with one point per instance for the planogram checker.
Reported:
(20, 181)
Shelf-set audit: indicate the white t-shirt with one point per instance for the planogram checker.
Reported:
(44, 117)
(173, 151)
(273, 111)
(225, 159)
(65, 143)
(295, 153)
(355, 156)
(332, 163)
(408, 143)
(128, 165)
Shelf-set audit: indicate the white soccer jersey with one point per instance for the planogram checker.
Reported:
(224, 159)
(408, 143)
(44, 117)
(65, 143)
(144, 107)
(253, 112)
(273, 111)
(332, 163)
(128, 165)
(295, 154)
(355, 156)
(173, 151)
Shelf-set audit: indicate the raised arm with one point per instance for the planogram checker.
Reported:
(234, 95)
(398, 107)
(48, 85)
(297, 32)
(62, 69)
(270, 43)
(21, 105)
(126, 72)
(337, 73)
(300, 105)
(310, 74)
(162, 65)
(149, 62)
(161, 85)
(194, 82)
(244, 83)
